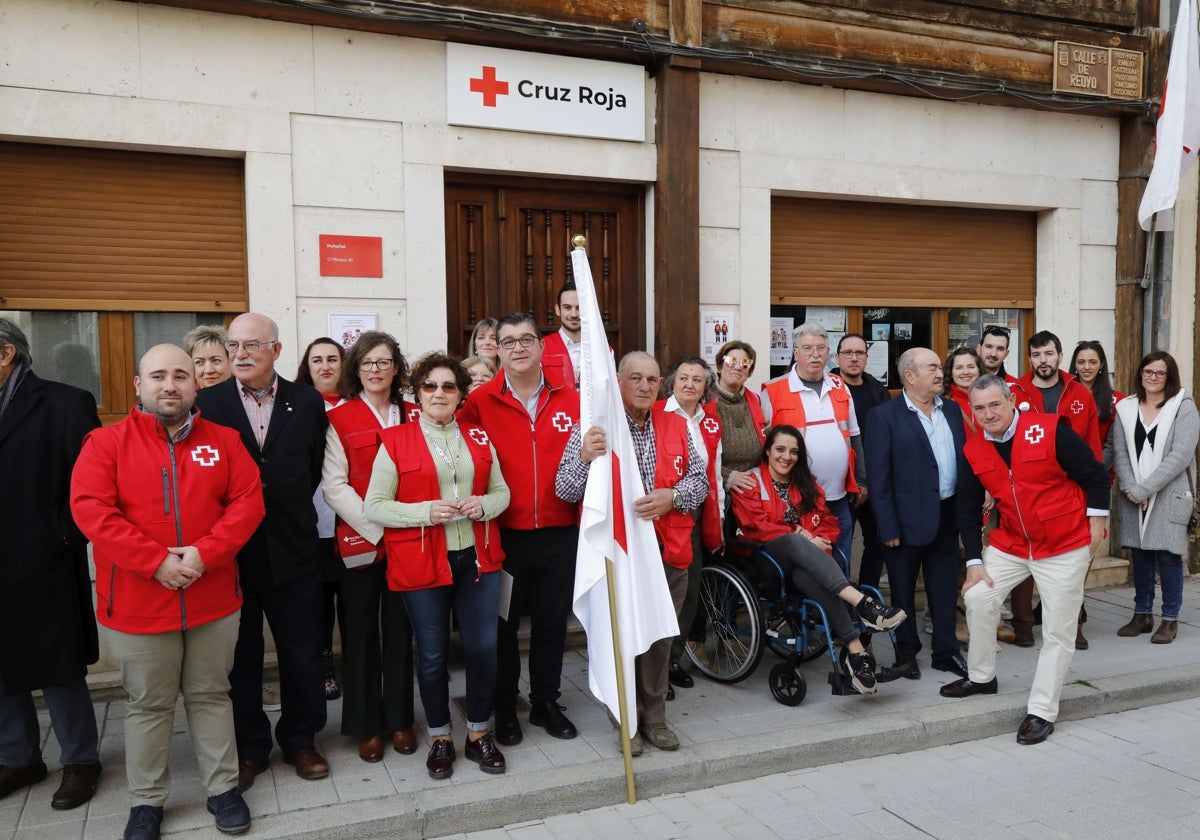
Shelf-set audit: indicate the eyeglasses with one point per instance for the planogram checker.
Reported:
(376, 364)
(250, 347)
(1154, 374)
(810, 350)
(738, 364)
(853, 354)
(431, 387)
(526, 340)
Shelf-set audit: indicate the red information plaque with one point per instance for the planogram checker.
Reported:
(351, 256)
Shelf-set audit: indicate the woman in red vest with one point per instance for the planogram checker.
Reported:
(963, 366)
(436, 487)
(376, 674)
(1090, 364)
(787, 511)
(321, 367)
(742, 421)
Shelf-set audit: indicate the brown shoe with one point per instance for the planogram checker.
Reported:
(370, 749)
(13, 779)
(78, 786)
(1139, 624)
(483, 751)
(248, 768)
(1005, 634)
(404, 741)
(309, 763)
(1165, 634)
(440, 762)
(1023, 633)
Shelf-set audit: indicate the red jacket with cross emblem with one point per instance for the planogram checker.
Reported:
(1042, 511)
(134, 494)
(1076, 404)
(673, 528)
(529, 450)
(760, 513)
(417, 557)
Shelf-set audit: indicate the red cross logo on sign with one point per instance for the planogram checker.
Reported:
(562, 421)
(1035, 433)
(710, 425)
(479, 436)
(1077, 407)
(489, 86)
(205, 455)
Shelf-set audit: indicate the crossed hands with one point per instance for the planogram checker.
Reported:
(181, 568)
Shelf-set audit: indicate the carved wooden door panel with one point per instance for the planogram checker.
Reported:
(508, 244)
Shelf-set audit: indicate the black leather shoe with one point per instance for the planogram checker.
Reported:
(78, 786)
(1034, 730)
(549, 716)
(508, 728)
(483, 752)
(145, 823)
(907, 669)
(13, 779)
(965, 688)
(955, 663)
(680, 677)
(670, 692)
(440, 762)
(230, 811)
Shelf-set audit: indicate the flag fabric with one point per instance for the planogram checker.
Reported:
(1177, 135)
(608, 527)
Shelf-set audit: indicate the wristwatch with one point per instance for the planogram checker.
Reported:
(676, 499)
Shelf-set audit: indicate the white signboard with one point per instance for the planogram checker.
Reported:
(549, 94)
(716, 327)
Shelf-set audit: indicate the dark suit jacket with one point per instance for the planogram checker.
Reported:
(285, 546)
(902, 473)
(47, 621)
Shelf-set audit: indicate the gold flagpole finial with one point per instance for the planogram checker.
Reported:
(579, 240)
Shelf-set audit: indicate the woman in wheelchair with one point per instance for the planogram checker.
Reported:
(787, 513)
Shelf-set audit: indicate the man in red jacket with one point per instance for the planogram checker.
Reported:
(1052, 496)
(528, 411)
(567, 343)
(167, 500)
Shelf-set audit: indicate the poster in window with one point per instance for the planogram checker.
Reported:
(883, 332)
(877, 360)
(832, 318)
(781, 340)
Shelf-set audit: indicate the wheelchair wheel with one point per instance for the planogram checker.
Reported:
(787, 625)
(733, 629)
(788, 685)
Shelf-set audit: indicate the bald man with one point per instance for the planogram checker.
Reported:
(282, 425)
(166, 585)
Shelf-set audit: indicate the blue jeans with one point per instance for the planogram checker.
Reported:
(841, 509)
(1170, 571)
(475, 600)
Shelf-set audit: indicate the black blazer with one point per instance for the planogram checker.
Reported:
(902, 476)
(285, 546)
(47, 621)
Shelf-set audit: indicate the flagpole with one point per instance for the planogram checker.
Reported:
(579, 241)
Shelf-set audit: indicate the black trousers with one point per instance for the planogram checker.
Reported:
(377, 669)
(542, 565)
(938, 563)
(293, 610)
(870, 569)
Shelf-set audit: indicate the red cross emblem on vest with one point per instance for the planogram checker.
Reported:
(679, 465)
(562, 421)
(1077, 407)
(1035, 433)
(479, 436)
(815, 519)
(710, 425)
(414, 414)
(205, 455)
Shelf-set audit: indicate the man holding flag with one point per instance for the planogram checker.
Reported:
(673, 484)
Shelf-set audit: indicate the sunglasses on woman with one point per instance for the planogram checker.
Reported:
(431, 387)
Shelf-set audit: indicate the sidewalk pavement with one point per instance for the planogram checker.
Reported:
(730, 733)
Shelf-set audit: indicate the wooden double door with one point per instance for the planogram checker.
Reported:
(508, 244)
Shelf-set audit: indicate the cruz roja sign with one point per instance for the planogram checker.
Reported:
(548, 94)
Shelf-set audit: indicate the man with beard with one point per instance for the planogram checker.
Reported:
(993, 350)
(567, 341)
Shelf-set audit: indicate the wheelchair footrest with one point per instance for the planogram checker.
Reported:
(840, 684)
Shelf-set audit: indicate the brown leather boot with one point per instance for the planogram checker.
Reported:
(1023, 633)
(1165, 634)
(1139, 624)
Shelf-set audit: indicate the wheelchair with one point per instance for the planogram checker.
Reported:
(747, 605)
